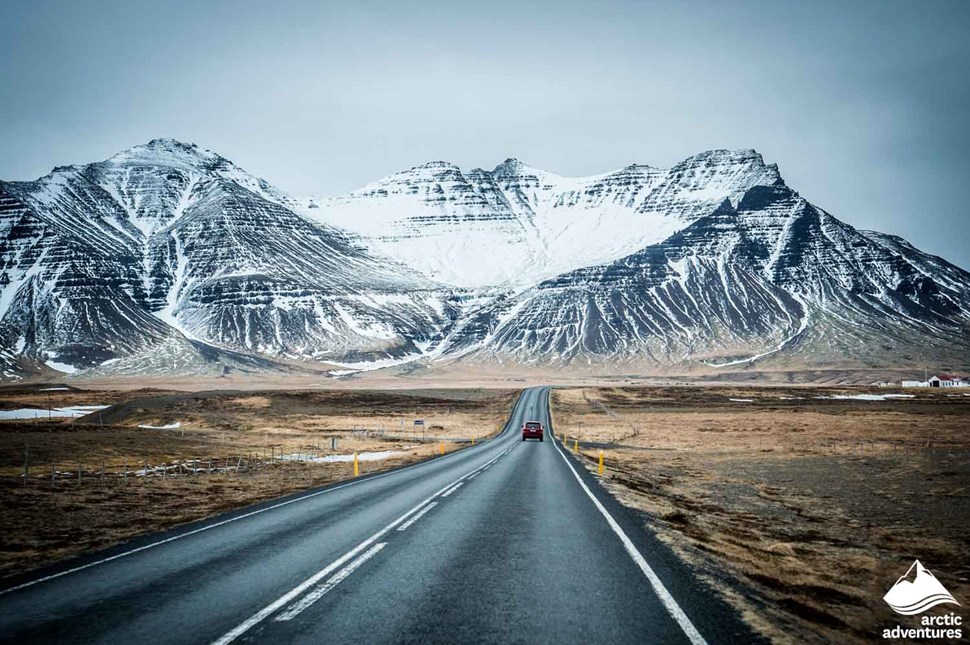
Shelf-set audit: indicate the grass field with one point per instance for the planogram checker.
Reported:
(230, 449)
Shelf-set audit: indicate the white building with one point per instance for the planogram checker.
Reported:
(947, 380)
(915, 384)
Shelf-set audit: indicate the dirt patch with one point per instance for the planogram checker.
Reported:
(801, 508)
(102, 479)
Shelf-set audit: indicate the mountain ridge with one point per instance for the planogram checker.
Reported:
(436, 217)
(171, 255)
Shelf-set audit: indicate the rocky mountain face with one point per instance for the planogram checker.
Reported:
(169, 258)
(169, 244)
(516, 225)
(769, 276)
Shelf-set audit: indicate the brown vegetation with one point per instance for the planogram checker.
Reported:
(225, 454)
(802, 511)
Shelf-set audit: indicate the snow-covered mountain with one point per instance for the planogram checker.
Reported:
(167, 243)
(168, 257)
(769, 275)
(516, 225)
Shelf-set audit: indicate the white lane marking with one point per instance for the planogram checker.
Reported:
(472, 476)
(293, 593)
(407, 525)
(453, 489)
(237, 518)
(318, 593)
(668, 601)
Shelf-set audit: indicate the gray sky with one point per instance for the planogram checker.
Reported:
(865, 106)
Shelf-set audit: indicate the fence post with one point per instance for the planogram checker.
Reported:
(26, 462)
(102, 472)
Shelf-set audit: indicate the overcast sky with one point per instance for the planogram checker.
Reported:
(865, 106)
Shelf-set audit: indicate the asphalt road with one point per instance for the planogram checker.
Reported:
(506, 541)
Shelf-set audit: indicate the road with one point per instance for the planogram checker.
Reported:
(506, 541)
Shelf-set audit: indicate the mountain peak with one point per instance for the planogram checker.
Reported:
(168, 142)
(437, 165)
(729, 166)
(168, 152)
(724, 155)
(510, 164)
(512, 167)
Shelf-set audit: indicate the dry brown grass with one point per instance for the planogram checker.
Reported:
(801, 511)
(41, 525)
(236, 435)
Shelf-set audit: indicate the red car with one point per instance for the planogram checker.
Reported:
(532, 430)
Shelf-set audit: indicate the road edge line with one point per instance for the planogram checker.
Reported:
(663, 594)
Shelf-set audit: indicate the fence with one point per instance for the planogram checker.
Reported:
(126, 470)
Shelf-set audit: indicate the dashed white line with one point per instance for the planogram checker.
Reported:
(453, 489)
(325, 588)
(242, 517)
(406, 525)
(223, 523)
(296, 591)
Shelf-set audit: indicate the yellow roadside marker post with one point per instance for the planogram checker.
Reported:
(601, 463)
(441, 447)
(576, 446)
(356, 466)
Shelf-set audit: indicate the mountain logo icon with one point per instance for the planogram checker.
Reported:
(916, 595)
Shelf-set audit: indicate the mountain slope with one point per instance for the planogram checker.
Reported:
(167, 240)
(169, 258)
(743, 283)
(516, 225)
